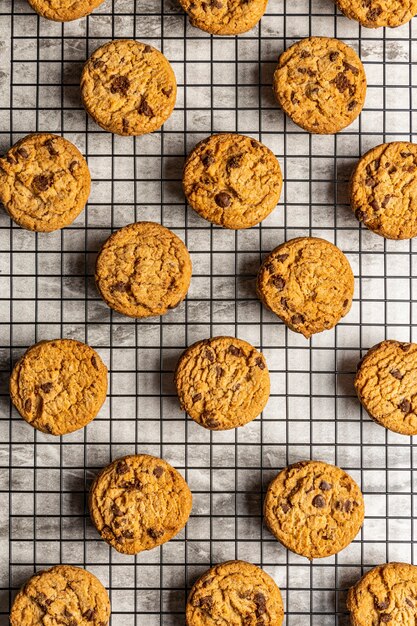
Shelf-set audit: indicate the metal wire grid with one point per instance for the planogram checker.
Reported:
(47, 291)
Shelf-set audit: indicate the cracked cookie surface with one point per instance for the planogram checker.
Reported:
(59, 386)
(386, 384)
(224, 17)
(383, 190)
(387, 594)
(314, 509)
(378, 13)
(65, 595)
(321, 84)
(232, 180)
(236, 593)
(44, 182)
(64, 10)
(139, 502)
(308, 283)
(222, 382)
(143, 270)
(128, 87)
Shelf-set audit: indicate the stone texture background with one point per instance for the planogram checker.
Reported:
(47, 291)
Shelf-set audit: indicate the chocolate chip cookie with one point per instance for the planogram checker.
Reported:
(59, 386)
(222, 382)
(308, 283)
(235, 593)
(383, 190)
(44, 182)
(64, 10)
(232, 180)
(139, 502)
(143, 270)
(321, 84)
(387, 594)
(128, 87)
(314, 509)
(224, 17)
(386, 384)
(377, 13)
(64, 595)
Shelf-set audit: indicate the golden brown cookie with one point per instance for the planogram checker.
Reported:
(64, 595)
(377, 13)
(59, 386)
(128, 87)
(232, 180)
(383, 190)
(143, 270)
(386, 384)
(44, 182)
(235, 593)
(308, 283)
(222, 382)
(314, 509)
(224, 17)
(64, 10)
(387, 594)
(139, 502)
(321, 84)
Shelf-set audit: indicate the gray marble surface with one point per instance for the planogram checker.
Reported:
(47, 291)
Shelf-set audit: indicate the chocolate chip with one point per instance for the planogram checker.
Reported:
(127, 534)
(360, 215)
(47, 387)
(116, 511)
(223, 199)
(42, 182)
(89, 615)
(341, 82)
(234, 161)
(397, 374)
(374, 204)
(385, 617)
(155, 534)
(278, 282)
(260, 602)
(333, 56)
(120, 84)
(94, 362)
(405, 406)
(285, 507)
(120, 286)
(372, 15)
(347, 506)
(28, 405)
(284, 303)
(325, 486)
(345, 303)
(217, 4)
(125, 125)
(158, 471)
(235, 351)
(405, 154)
(206, 602)
(281, 257)
(352, 105)
(207, 158)
(370, 182)
(72, 166)
(49, 144)
(147, 49)
(386, 200)
(23, 153)
(135, 484)
(408, 601)
(167, 92)
(208, 354)
(260, 363)
(254, 143)
(219, 371)
(197, 397)
(351, 68)
(382, 604)
(297, 319)
(122, 467)
(319, 502)
(10, 159)
(405, 347)
(210, 422)
(144, 108)
(67, 613)
(98, 64)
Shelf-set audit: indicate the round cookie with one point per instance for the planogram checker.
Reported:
(59, 386)
(387, 594)
(63, 594)
(64, 10)
(314, 509)
(128, 87)
(232, 180)
(377, 13)
(44, 182)
(386, 384)
(321, 84)
(383, 190)
(139, 502)
(236, 593)
(308, 283)
(222, 382)
(224, 17)
(143, 270)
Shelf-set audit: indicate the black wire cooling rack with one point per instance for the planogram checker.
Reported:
(47, 291)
